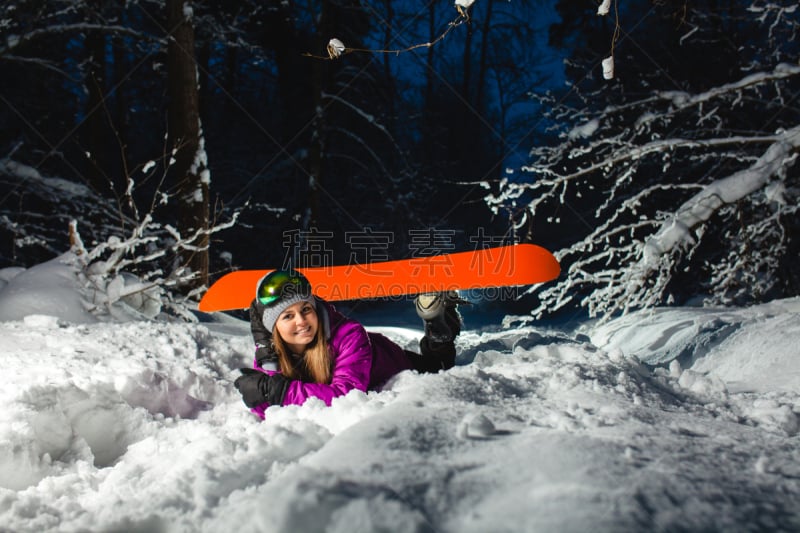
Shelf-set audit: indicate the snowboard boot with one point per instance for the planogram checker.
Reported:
(439, 311)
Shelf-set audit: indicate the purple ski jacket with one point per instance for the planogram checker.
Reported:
(361, 360)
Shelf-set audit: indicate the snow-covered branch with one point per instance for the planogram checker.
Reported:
(129, 271)
(727, 190)
(152, 251)
(645, 193)
(682, 100)
(19, 41)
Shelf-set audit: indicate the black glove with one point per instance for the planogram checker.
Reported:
(256, 387)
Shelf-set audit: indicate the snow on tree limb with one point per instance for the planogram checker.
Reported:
(16, 41)
(608, 68)
(638, 183)
(682, 99)
(727, 190)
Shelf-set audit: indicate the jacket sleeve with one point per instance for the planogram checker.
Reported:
(352, 361)
(265, 356)
(259, 409)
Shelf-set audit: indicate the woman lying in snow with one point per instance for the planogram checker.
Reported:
(305, 348)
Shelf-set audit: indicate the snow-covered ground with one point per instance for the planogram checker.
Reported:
(677, 419)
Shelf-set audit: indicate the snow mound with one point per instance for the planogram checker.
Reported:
(681, 419)
(752, 349)
(50, 288)
(61, 288)
(87, 392)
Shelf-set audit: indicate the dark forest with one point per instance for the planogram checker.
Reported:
(231, 129)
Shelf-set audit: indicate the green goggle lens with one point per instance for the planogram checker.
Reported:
(281, 283)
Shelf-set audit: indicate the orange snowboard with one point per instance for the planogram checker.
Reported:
(516, 264)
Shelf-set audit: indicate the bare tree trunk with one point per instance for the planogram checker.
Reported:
(316, 154)
(481, 82)
(96, 126)
(190, 170)
(317, 148)
(466, 68)
(429, 106)
(387, 66)
(387, 39)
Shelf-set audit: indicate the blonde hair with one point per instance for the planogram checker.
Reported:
(315, 364)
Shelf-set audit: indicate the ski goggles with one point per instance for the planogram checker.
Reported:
(282, 284)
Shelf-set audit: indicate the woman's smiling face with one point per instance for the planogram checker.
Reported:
(297, 325)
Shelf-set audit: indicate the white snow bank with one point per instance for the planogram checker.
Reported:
(136, 427)
(61, 289)
(50, 287)
(77, 393)
(751, 349)
(8, 273)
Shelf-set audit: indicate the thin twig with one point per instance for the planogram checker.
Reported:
(460, 19)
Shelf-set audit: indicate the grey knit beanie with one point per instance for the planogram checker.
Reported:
(290, 295)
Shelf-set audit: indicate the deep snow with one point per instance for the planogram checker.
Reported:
(673, 419)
